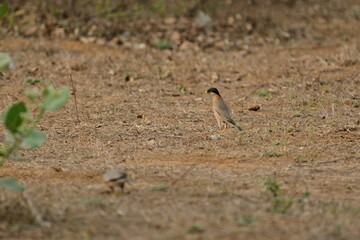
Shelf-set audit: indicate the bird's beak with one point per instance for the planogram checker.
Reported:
(205, 92)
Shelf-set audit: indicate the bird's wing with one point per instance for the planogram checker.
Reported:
(223, 110)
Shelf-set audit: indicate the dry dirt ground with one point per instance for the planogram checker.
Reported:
(190, 186)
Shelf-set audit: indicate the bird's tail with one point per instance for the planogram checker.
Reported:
(235, 124)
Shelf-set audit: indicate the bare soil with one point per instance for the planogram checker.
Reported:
(136, 115)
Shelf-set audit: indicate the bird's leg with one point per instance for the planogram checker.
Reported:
(222, 132)
(122, 186)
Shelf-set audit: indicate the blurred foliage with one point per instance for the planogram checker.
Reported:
(21, 125)
(11, 184)
(4, 8)
(120, 8)
(124, 22)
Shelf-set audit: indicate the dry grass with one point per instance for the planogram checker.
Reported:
(305, 136)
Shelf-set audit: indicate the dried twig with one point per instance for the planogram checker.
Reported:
(183, 175)
(51, 78)
(34, 212)
(74, 93)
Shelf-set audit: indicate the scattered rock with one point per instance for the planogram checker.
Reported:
(216, 137)
(170, 21)
(59, 32)
(6, 61)
(215, 77)
(203, 20)
(187, 45)
(175, 37)
(87, 40)
(254, 108)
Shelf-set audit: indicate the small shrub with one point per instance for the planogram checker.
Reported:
(19, 123)
(182, 88)
(272, 153)
(279, 204)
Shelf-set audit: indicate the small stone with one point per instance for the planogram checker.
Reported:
(111, 72)
(254, 108)
(87, 40)
(175, 37)
(215, 77)
(59, 32)
(202, 20)
(170, 20)
(216, 137)
(101, 41)
(151, 142)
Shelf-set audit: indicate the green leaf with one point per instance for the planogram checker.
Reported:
(33, 81)
(34, 138)
(13, 117)
(54, 99)
(32, 93)
(4, 8)
(11, 184)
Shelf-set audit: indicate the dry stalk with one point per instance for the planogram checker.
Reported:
(51, 80)
(74, 93)
(183, 175)
(34, 211)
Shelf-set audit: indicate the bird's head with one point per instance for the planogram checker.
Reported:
(213, 91)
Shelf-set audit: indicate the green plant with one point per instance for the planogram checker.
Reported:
(280, 204)
(159, 7)
(182, 88)
(276, 142)
(11, 184)
(4, 9)
(19, 122)
(271, 186)
(303, 197)
(162, 44)
(339, 231)
(272, 153)
(262, 92)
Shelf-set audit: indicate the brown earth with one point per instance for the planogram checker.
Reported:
(135, 114)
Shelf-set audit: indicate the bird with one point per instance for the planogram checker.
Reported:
(116, 178)
(221, 110)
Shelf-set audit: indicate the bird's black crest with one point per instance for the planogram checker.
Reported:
(213, 90)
